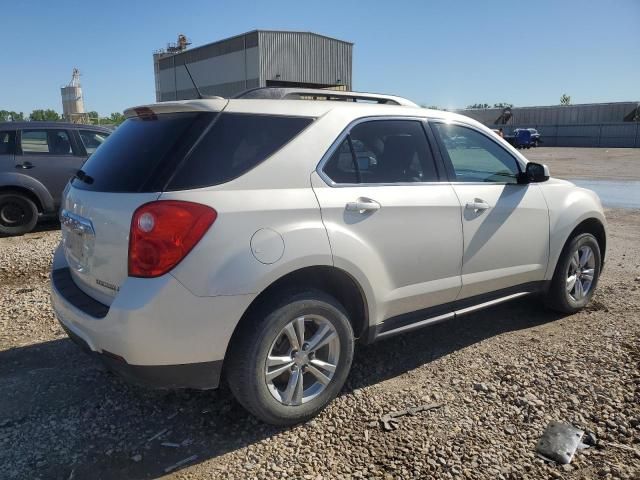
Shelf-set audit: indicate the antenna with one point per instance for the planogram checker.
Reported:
(194, 83)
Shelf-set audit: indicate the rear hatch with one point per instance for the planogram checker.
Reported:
(130, 169)
(158, 149)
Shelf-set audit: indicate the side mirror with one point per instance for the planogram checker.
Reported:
(535, 173)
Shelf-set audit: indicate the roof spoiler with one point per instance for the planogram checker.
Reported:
(210, 104)
(277, 93)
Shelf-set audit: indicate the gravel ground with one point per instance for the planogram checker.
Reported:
(589, 163)
(501, 375)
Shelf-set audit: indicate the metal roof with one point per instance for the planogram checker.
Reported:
(240, 35)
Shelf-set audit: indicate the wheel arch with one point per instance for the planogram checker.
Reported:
(26, 192)
(595, 227)
(329, 279)
(589, 224)
(12, 181)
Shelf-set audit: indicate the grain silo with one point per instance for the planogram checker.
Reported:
(72, 100)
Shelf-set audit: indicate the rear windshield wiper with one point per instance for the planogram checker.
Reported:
(83, 177)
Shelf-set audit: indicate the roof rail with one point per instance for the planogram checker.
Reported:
(278, 93)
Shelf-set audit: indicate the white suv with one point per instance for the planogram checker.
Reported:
(258, 238)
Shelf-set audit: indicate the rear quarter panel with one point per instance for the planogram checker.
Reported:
(275, 195)
(223, 262)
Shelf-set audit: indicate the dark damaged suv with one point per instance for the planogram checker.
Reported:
(37, 159)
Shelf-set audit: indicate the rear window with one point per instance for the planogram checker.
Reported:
(140, 154)
(234, 145)
(169, 151)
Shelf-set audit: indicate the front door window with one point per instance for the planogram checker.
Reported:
(475, 157)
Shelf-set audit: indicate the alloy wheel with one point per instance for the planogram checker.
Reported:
(580, 273)
(302, 360)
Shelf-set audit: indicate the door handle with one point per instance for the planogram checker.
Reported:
(478, 205)
(25, 165)
(362, 205)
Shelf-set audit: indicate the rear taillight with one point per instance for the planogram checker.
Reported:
(163, 232)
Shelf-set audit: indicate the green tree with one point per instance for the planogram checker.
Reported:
(477, 106)
(565, 99)
(116, 118)
(44, 115)
(503, 105)
(93, 114)
(11, 116)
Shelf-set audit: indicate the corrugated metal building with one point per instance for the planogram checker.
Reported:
(614, 124)
(586, 113)
(260, 58)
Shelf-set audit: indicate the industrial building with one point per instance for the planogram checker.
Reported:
(260, 58)
(614, 124)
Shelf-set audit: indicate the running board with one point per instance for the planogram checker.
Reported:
(490, 303)
(448, 316)
(415, 326)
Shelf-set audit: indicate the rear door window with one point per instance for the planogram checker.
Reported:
(49, 142)
(235, 144)
(7, 142)
(341, 167)
(92, 139)
(383, 152)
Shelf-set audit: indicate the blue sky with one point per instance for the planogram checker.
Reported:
(447, 53)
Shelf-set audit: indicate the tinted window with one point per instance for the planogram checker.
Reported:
(143, 152)
(92, 140)
(385, 151)
(475, 157)
(51, 142)
(7, 142)
(235, 144)
(341, 168)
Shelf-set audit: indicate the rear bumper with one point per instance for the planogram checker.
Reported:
(155, 332)
(202, 376)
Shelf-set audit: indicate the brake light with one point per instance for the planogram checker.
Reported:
(163, 233)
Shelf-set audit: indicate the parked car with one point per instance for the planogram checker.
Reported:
(37, 159)
(533, 136)
(260, 240)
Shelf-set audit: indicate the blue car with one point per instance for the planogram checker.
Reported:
(533, 141)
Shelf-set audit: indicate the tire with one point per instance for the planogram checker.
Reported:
(18, 214)
(275, 397)
(562, 295)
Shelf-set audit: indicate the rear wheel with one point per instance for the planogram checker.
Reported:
(18, 214)
(576, 275)
(291, 360)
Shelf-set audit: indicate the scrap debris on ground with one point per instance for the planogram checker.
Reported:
(559, 442)
(389, 420)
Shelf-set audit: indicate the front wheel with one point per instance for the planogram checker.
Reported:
(576, 275)
(18, 214)
(291, 360)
